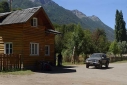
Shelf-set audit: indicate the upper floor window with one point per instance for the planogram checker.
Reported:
(8, 49)
(34, 22)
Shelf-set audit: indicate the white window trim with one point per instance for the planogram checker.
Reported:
(9, 47)
(31, 43)
(35, 24)
(48, 50)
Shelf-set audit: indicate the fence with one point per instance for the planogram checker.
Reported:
(113, 59)
(10, 62)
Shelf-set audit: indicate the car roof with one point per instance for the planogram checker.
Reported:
(98, 53)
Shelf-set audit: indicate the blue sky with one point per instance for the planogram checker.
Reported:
(104, 9)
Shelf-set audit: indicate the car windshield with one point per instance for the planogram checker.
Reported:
(95, 56)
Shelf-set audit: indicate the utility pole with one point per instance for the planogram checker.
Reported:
(11, 5)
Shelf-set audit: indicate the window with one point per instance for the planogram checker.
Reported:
(34, 48)
(34, 22)
(47, 50)
(8, 48)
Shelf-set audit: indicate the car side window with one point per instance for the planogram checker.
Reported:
(104, 56)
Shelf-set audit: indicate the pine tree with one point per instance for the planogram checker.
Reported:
(120, 30)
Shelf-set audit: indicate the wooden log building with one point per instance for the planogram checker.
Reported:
(28, 32)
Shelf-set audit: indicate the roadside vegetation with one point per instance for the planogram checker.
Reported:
(76, 44)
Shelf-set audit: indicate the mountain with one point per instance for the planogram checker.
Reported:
(79, 14)
(60, 15)
(94, 22)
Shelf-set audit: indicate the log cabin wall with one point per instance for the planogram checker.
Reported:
(11, 33)
(22, 34)
(37, 35)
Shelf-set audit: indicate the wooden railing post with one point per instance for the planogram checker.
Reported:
(10, 62)
(20, 61)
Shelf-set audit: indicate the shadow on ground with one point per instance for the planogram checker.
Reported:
(103, 68)
(60, 69)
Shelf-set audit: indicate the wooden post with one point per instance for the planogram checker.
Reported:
(11, 5)
(1, 62)
(20, 61)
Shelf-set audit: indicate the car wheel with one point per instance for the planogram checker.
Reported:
(106, 65)
(87, 66)
(100, 66)
(96, 66)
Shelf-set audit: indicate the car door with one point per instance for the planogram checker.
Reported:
(103, 59)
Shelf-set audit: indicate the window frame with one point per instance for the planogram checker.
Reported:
(10, 49)
(47, 51)
(34, 22)
(34, 48)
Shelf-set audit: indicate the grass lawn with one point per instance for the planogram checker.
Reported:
(124, 61)
(82, 63)
(22, 72)
(69, 63)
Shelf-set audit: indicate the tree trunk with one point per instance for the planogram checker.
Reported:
(121, 57)
(73, 56)
(115, 57)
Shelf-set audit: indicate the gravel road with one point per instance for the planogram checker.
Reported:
(72, 75)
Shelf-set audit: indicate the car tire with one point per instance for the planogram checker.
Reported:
(100, 65)
(87, 66)
(96, 66)
(106, 65)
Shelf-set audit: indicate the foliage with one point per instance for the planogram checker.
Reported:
(4, 7)
(77, 39)
(84, 41)
(114, 48)
(87, 44)
(100, 42)
(122, 48)
(120, 30)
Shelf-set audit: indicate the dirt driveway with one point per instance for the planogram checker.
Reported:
(72, 75)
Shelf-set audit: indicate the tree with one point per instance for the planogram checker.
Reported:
(122, 47)
(100, 41)
(114, 48)
(87, 44)
(120, 30)
(4, 7)
(77, 38)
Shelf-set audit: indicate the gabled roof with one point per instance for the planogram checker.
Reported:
(4, 14)
(18, 16)
(21, 16)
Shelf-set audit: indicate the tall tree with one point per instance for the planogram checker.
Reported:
(77, 38)
(120, 30)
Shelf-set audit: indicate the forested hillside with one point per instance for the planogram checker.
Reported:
(60, 15)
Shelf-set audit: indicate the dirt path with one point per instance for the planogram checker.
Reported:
(72, 75)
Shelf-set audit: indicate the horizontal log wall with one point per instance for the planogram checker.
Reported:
(11, 33)
(22, 34)
(38, 35)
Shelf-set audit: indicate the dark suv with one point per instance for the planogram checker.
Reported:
(97, 60)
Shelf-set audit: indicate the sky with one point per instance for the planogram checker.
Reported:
(104, 9)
